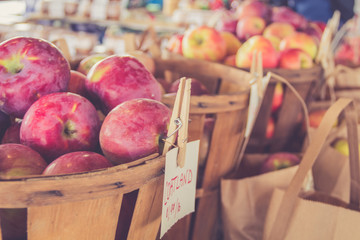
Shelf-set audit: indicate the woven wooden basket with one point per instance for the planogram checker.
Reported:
(89, 205)
(290, 115)
(227, 106)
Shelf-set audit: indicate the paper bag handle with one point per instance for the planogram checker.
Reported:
(288, 203)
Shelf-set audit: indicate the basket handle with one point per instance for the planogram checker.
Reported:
(288, 202)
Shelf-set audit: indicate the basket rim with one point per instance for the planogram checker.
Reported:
(39, 190)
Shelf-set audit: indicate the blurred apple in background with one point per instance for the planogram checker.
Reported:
(197, 87)
(76, 162)
(134, 129)
(232, 43)
(315, 117)
(230, 60)
(279, 30)
(277, 97)
(250, 26)
(12, 133)
(144, 58)
(86, 63)
(270, 128)
(227, 24)
(116, 79)
(342, 146)
(29, 69)
(301, 41)
(320, 24)
(287, 15)
(280, 160)
(295, 59)
(275, 41)
(204, 43)
(17, 160)
(347, 52)
(257, 43)
(4, 123)
(77, 83)
(175, 43)
(59, 123)
(314, 30)
(253, 8)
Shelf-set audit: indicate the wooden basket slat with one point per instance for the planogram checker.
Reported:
(147, 213)
(228, 105)
(48, 190)
(291, 113)
(89, 219)
(259, 141)
(201, 69)
(221, 161)
(0, 231)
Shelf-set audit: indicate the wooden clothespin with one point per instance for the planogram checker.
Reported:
(179, 121)
(256, 71)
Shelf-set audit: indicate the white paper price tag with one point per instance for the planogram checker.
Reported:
(179, 186)
(254, 104)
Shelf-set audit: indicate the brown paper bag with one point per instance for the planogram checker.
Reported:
(292, 216)
(245, 202)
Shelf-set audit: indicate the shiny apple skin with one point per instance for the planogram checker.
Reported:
(116, 79)
(29, 69)
(133, 130)
(59, 123)
(76, 162)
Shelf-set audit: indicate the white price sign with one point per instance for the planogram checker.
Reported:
(179, 186)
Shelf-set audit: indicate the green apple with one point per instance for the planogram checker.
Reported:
(342, 146)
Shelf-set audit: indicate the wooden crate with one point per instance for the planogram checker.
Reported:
(227, 106)
(90, 205)
(289, 117)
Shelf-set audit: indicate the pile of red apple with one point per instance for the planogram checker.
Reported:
(54, 120)
(285, 38)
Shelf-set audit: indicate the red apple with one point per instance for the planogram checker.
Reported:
(321, 25)
(86, 63)
(347, 52)
(227, 24)
(261, 44)
(197, 87)
(295, 59)
(4, 123)
(277, 97)
(286, 14)
(77, 83)
(134, 129)
(250, 26)
(253, 8)
(270, 128)
(314, 30)
(278, 161)
(12, 133)
(302, 41)
(17, 160)
(116, 79)
(232, 43)
(230, 60)
(204, 43)
(175, 43)
(60, 123)
(29, 68)
(76, 162)
(279, 30)
(315, 117)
